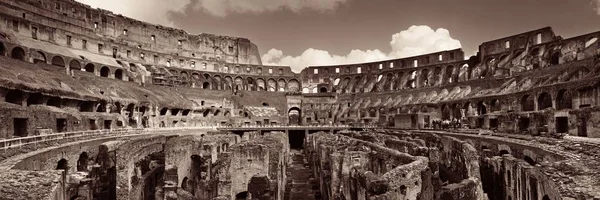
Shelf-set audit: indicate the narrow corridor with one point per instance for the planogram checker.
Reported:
(301, 184)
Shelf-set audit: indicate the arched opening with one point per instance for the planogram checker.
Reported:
(102, 107)
(241, 195)
(164, 111)
(87, 106)
(323, 90)
(564, 100)
(206, 85)
(35, 99)
(265, 104)
(555, 58)
(104, 71)
(82, 162)
(54, 101)
(38, 57)
(545, 197)
(119, 74)
(75, 65)
(63, 164)
(2, 49)
(446, 112)
(184, 184)
(481, 108)
(544, 101)
(14, 97)
(90, 67)
(294, 116)
(58, 61)
(18, 53)
(449, 74)
(529, 160)
(527, 103)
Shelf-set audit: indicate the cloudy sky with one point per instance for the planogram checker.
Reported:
(302, 33)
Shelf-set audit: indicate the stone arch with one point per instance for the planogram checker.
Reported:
(18, 53)
(206, 85)
(261, 84)
(293, 85)
(38, 57)
(495, 105)
(184, 76)
(251, 84)
(15, 97)
(527, 103)
(75, 65)
(2, 49)
(555, 58)
(449, 78)
(35, 99)
(184, 184)
(323, 89)
(446, 112)
(425, 78)
(104, 71)
(62, 164)
(544, 101)
(227, 83)
(481, 108)
(90, 68)
(54, 101)
(218, 85)
(119, 74)
(545, 197)
(82, 162)
(282, 85)
(271, 85)
(564, 100)
(241, 195)
(239, 83)
(58, 61)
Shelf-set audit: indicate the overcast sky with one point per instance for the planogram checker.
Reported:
(325, 32)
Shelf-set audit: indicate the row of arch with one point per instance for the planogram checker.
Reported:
(395, 81)
(38, 56)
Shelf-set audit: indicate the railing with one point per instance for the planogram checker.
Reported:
(22, 141)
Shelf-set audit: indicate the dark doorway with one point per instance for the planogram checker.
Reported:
(107, 124)
(524, 123)
(61, 125)
(582, 127)
(562, 124)
(480, 122)
(82, 162)
(413, 121)
(296, 139)
(62, 164)
(494, 124)
(294, 116)
(93, 125)
(241, 196)
(20, 127)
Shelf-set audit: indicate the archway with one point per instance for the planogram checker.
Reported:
(294, 115)
(90, 67)
(481, 108)
(104, 71)
(14, 97)
(323, 90)
(564, 100)
(75, 65)
(63, 164)
(38, 57)
(527, 103)
(35, 99)
(2, 49)
(119, 74)
(544, 101)
(58, 61)
(18, 53)
(206, 85)
(241, 195)
(184, 184)
(82, 162)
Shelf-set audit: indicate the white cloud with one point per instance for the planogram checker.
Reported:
(415, 40)
(153, 11)
(596, 6)
(156, 11)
